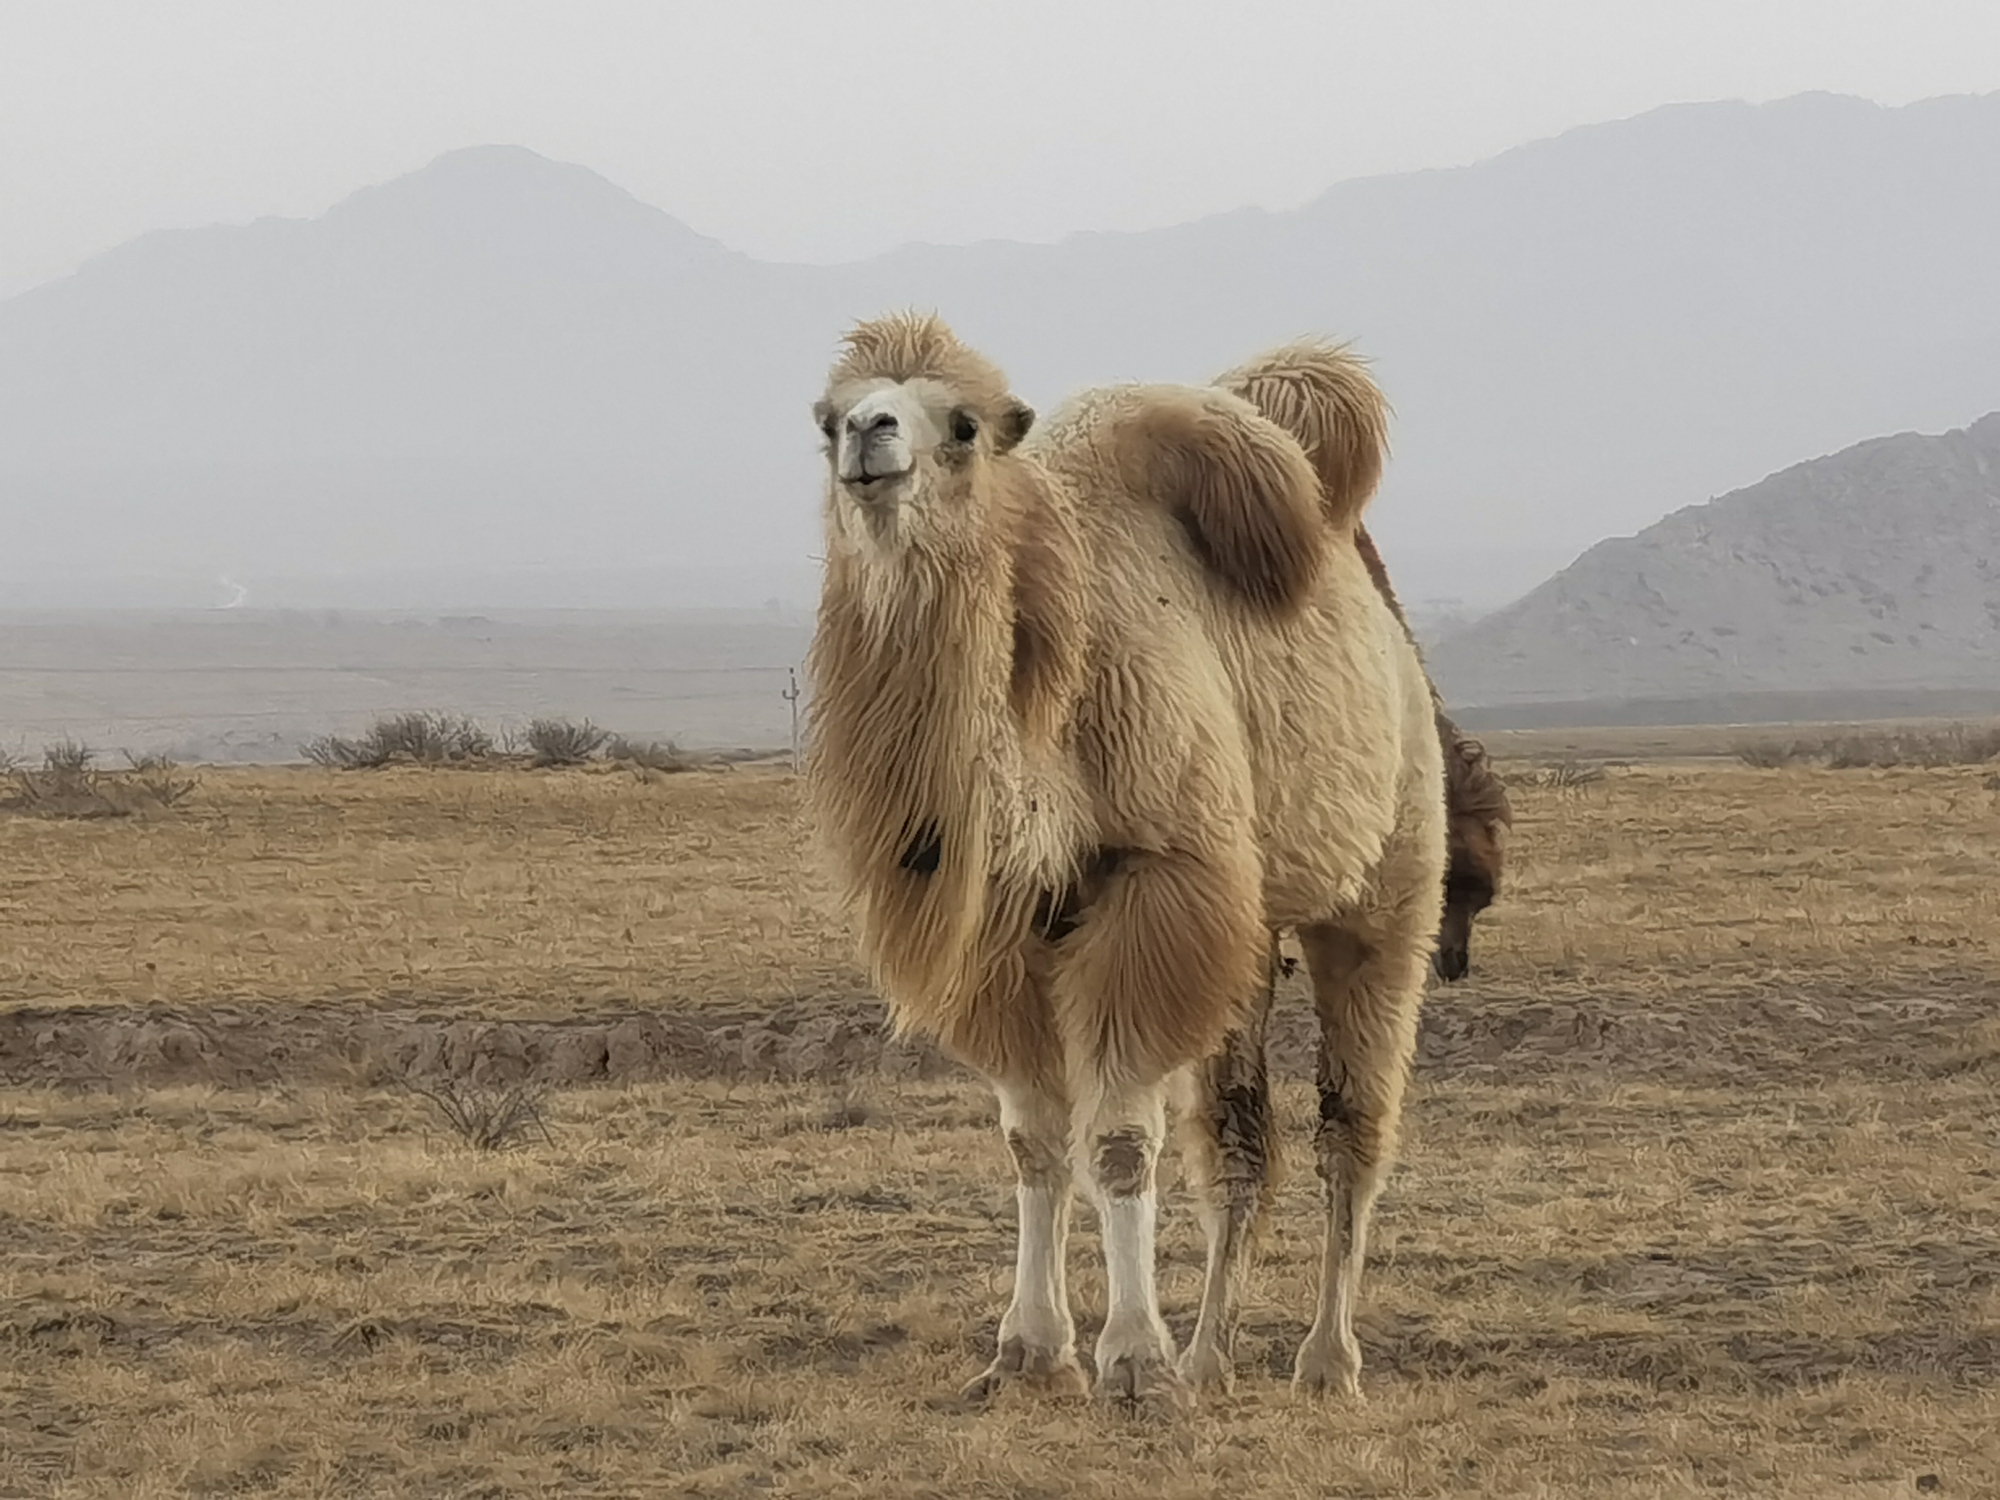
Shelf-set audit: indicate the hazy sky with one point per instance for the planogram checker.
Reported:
(822, 130)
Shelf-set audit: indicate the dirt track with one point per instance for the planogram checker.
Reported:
(1468, 1032)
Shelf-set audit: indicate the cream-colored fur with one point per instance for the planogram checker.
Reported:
(1095, 712)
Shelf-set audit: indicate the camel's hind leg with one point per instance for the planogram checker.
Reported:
(1368, 984)
(1227, 1145)
(1037, 1334)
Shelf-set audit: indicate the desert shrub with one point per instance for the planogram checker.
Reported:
(650, 755)
(485, 1117)
(69, 784)
(563, 742)
(424, 739)
(161, 779)
(1953, 745)
(432, 739)
(67, 757)
(1565, 775)
(1772, 755)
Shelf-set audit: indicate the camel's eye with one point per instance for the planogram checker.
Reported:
(963, 428)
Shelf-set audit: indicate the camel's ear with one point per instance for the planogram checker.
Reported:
(1013, 425)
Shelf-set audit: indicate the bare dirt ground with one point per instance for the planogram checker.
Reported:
(1701, 1193)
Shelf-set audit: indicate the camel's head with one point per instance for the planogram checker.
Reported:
(1478, 816)
(912, 419)
(1467, 892)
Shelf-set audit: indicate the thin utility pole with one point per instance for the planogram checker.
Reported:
(792, 697)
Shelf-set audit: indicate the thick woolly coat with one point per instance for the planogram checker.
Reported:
(1078, 754)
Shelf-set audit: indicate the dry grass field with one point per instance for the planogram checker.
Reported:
(1701, 1194)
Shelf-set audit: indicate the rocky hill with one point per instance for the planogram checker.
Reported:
(1873, 570)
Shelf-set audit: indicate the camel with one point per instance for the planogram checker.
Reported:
(1100, 704)
(1478, 813)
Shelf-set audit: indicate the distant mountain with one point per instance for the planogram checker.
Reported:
(501, 366)
(1874, 570)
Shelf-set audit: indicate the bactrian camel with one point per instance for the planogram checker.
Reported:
(1098, 709)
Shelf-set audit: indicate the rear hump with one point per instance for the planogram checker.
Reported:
(1322, 394)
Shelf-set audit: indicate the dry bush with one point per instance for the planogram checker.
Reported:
(1565, 775)
(161, 779)
(67, 757)
(562, 742)
(1772, 755)
(69, 785)
(424, 739)
(651, 755)
(1882, 749)
(486, 1117)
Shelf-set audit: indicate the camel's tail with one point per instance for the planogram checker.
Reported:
(1322, 395)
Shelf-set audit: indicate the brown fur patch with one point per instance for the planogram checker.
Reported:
(1322, 394)
(1239, 486)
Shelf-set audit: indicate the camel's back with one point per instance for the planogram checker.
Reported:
(1316, 720)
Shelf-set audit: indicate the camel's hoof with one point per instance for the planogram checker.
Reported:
(1206, 1369)
(1050, 1372)
(1144, 1381)
(1325, 1369)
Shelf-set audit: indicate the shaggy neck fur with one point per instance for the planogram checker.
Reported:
(945, 675)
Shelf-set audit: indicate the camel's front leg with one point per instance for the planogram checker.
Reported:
(1037, 1335)
(1118, 1139)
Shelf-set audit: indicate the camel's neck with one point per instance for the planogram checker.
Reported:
(941, 688)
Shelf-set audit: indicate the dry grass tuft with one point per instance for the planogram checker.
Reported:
(488, 1117)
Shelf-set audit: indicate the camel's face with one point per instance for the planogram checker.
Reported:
(904, 456)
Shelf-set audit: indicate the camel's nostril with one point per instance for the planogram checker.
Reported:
(882, 424)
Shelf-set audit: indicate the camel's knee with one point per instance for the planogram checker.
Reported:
(1123, 1161)
(1035, 1125)
(1118, 1142)
(1038, 1160)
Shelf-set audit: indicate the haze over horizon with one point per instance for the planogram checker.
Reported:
(479, 381)
(123, 118)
